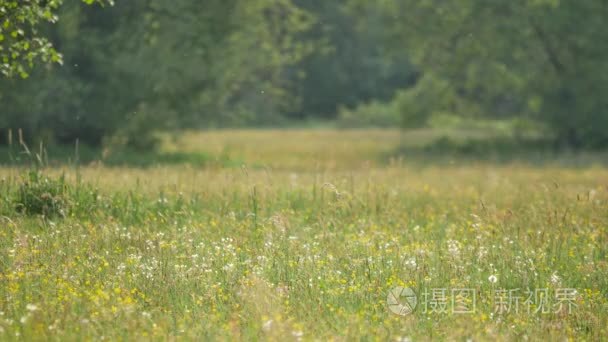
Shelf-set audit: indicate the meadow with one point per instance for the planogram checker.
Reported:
(302, 235)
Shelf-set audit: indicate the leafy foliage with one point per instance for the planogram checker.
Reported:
(524, 58)
(350, 65)
(142, 66)
(21, 41)
(134, 68)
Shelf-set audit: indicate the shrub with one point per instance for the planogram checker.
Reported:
(41, 195)
(372, 114)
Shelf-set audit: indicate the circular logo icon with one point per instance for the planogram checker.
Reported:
(401, 300)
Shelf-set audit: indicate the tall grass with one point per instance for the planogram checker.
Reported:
(290, 252)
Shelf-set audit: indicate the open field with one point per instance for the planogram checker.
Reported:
(302, 237)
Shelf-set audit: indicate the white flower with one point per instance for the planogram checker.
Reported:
(31, 307)
(403, 339)
(297, 334)
(492, 279)
(555, 279)
(267, 325)
(454, 248)
(411, 263)
(482, 252)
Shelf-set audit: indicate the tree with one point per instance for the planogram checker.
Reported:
(21, 43)
(543, 59)
(146, 65)
(350, 65)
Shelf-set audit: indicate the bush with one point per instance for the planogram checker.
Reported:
(412, 107)
(372, 114)
(40, 195)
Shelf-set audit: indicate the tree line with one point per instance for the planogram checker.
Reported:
(115, 72)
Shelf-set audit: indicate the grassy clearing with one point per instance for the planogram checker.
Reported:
(304, 241)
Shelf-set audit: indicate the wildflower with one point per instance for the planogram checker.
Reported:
(267, 325)
(411, 263)
(31, 307)
(492, 279)
(454, 248)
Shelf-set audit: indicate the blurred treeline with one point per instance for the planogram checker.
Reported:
(146, 65)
